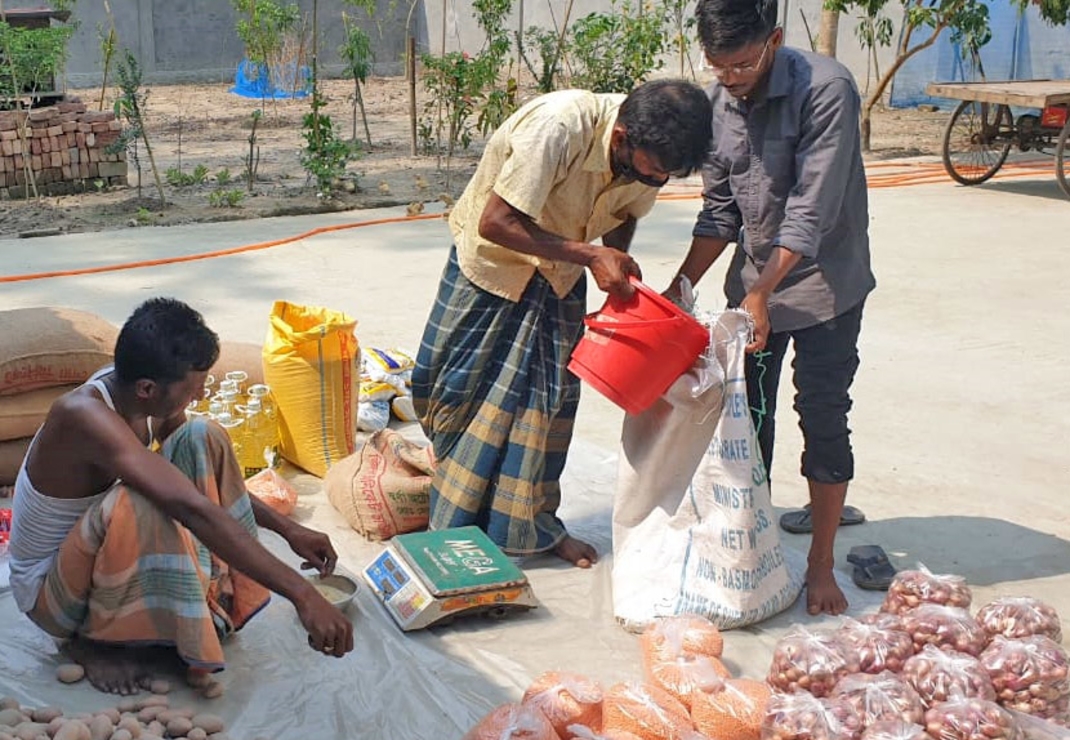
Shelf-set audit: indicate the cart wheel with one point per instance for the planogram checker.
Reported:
(1062, 160)
(977, 140)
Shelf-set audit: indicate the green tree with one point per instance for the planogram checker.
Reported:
(614, 52)
(967, 21)
(130, 108)
(356, 53)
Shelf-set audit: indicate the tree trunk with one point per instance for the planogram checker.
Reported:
(904, 54)
(828, 32)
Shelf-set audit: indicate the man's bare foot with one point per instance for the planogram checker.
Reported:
(577, 552)
(823, 596)
(114, 670)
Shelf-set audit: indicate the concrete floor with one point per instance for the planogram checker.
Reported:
(962, 405)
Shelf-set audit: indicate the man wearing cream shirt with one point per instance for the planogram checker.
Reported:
(491, 386)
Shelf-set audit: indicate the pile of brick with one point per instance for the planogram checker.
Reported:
(65, 146)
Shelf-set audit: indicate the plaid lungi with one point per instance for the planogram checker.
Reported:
(495, 398)
(128, 574)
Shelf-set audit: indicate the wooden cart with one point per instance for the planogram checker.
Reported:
(983, 129)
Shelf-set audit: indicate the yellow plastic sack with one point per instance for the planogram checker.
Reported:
(311, 362)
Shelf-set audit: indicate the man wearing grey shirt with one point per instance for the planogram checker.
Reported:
(785, 183)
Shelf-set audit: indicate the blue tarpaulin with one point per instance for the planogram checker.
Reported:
(282, 81)
(1023, 47)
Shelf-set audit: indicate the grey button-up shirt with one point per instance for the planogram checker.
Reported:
(786, 170)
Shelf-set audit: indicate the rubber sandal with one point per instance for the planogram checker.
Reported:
(872, 570)
(801, 521)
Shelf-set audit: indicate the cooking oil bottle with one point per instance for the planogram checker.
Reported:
(271, 437)
(254, 448)
(235, 426)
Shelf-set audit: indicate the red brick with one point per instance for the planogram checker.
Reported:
(35, 146)
(46, 145)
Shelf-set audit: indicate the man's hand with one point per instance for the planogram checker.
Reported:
(611, 269)
(329, 631)
(315, 547)
(757, 305)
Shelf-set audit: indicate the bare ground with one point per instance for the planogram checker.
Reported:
(191, 125)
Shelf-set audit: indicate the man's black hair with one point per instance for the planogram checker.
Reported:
(162, 341)
(669, 119)
(726, 26)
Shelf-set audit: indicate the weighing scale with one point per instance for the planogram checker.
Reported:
(427, 578)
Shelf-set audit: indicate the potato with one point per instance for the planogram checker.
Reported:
(209, 723)
(1020, 617)
(946, 627)
(802, 716)
(148, 714)
(939, 675)
(73, 730)
(153, 701)
(196, 734)
(895, 729)
(70, 673)
(1029, 675)
(212, 690)
(912, 588)
(810, 661)
(155, 728)
(179, 727)
(30, 730)
(112, 714)
(11, 717)
(131, 725)
(46, 714)
(882, 697)
(159, 686)
(121, 735)
(879, 648)
(100, 728)
(968, 719)
(9, 702)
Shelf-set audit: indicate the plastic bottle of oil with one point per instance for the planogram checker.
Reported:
(235, 426)
(272, 439)
(253, 458)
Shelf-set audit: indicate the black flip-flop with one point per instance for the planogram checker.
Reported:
(801, 521)
(872, 570)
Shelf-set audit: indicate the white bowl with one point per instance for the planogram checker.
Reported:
(336, 588)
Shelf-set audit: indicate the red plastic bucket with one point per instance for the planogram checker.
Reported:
(633, 351)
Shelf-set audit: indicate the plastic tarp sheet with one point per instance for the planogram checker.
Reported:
(433, 684)
(281, 82)
(1023, 47)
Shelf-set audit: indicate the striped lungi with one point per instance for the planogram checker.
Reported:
(130, 575)
(496, 400)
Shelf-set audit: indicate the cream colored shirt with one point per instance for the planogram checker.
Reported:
(549, 160)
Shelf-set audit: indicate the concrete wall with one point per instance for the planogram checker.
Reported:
(195, 40)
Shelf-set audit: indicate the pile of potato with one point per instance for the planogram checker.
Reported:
(145, 718)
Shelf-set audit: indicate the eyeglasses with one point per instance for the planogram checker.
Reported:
(744, 69)
(628, 172)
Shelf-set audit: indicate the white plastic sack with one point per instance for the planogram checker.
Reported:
(693, 525)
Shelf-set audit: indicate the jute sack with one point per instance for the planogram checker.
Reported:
(383, 489)
(47, 347)
(22, 415)
(245, 356)
(11, 454)
(694, 531)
